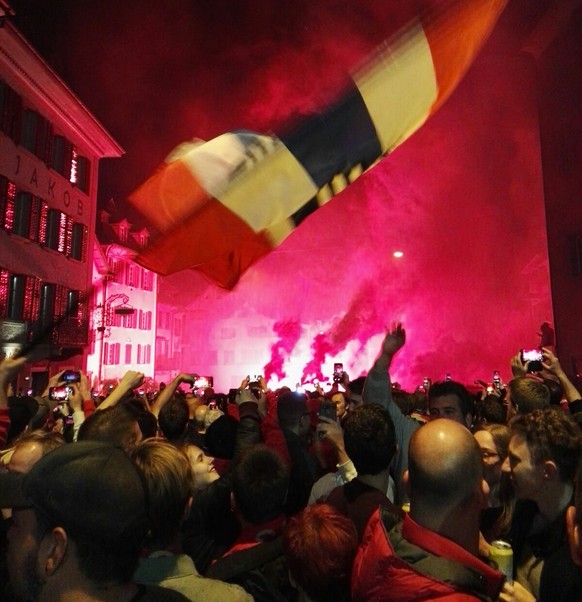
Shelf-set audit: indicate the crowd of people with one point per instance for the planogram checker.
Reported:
(361, 493)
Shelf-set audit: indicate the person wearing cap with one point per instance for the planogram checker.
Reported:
(79, 523)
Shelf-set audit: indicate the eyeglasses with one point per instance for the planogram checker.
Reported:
(486, 455)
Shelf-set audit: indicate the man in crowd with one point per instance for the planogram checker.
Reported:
(79, 524)
(544, 452)
(433, 553)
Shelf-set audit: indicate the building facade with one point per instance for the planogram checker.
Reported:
(50, 147)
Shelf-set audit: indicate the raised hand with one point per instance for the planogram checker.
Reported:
(394, 340)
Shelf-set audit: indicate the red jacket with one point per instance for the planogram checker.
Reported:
(404, 562)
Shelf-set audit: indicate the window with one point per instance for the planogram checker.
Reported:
(139, 354)
(7, 203)
(10, 112)
(36, 134)
(83, 169)
(127, 353)
(47, 304)
(22, 214)
(112, 353)
(79, 242)
(116, 268)
(54, 236)
(132, 273)
(147, 280)
(4, 287)
(62, 156)
(16, 291)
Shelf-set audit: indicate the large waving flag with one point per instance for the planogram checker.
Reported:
(243, 193)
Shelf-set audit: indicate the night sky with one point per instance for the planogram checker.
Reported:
(462, 198)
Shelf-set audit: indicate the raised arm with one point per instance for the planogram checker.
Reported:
(131, 379)
(166, 394)
(552, 364)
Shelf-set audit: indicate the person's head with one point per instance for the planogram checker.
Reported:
(556, 391)
(31, 447)
(342, 403)
(450, 399)
(544, 450)
(574, 520)
(220, 435)
(259, 484)
(200, 415)
(356, 387)
(117, 425)
(493, 440)
(201, 466)
(491, 410)
(173, 418)
(526, 394)
(79, 512)
(320, 545)
(293, 413)
(369, 438)
(445, 472)
(169, 484)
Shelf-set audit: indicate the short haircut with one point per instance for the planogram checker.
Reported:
(169, 483)
(528, 394)
(114, 425)
(290, 407)
(556, 391)
(451, 387)
(173, 418)
(370, 438)
(320, 545)
(492, 410)
(551, 434)
(259, 484)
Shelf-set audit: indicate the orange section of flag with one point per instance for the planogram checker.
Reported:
(171, 194)
(214, 240)
(455, 37)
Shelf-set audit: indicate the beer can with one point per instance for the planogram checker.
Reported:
(501, 553)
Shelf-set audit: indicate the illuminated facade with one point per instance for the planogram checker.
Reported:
(123, 318)
(50, 146)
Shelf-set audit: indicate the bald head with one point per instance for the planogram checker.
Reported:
(444, 465)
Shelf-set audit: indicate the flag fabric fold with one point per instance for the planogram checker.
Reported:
(221, 205)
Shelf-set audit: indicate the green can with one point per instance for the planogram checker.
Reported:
(501, 553)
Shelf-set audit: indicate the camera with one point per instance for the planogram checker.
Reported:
(60, 394)
(70, 376)
(534, 357)
(338, 369)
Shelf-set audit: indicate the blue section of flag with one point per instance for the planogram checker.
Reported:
(335, 141)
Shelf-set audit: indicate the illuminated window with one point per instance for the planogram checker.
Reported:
(132, 275)
(147, 280)
(31, 298)
(47, 304)
(4, 286)
(53, 229)
(7, 203)
(139, 354)
(116, 268)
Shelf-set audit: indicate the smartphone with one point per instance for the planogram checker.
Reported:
(328, 409)
(203, 382)
(60, 393)
(534, 357)
(338, 369)
(70, 376)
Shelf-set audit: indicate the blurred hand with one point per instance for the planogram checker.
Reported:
(131, 380)
(76, 398)
(551, 363)
(394, 339)
(518, 368)
(329, 429)
(9, 368)
(187, 378)
(244, 396)
(515, 593)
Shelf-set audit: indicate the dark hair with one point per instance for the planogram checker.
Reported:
(113, 425)
(259, 483)
(556, 391)
(173, 418)
(491, 410)
(551, 434)
(356, 386)
(320, 545)
(528, 394)
(290, 407)
(451, 387)
(220, 437)
(370, 438)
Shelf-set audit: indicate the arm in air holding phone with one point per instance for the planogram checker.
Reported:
(552, 364)
(167, 393)
(131, 379)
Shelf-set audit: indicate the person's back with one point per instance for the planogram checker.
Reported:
(256, 560)
(433, 553)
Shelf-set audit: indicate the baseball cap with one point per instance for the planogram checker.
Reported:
(91, 489)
